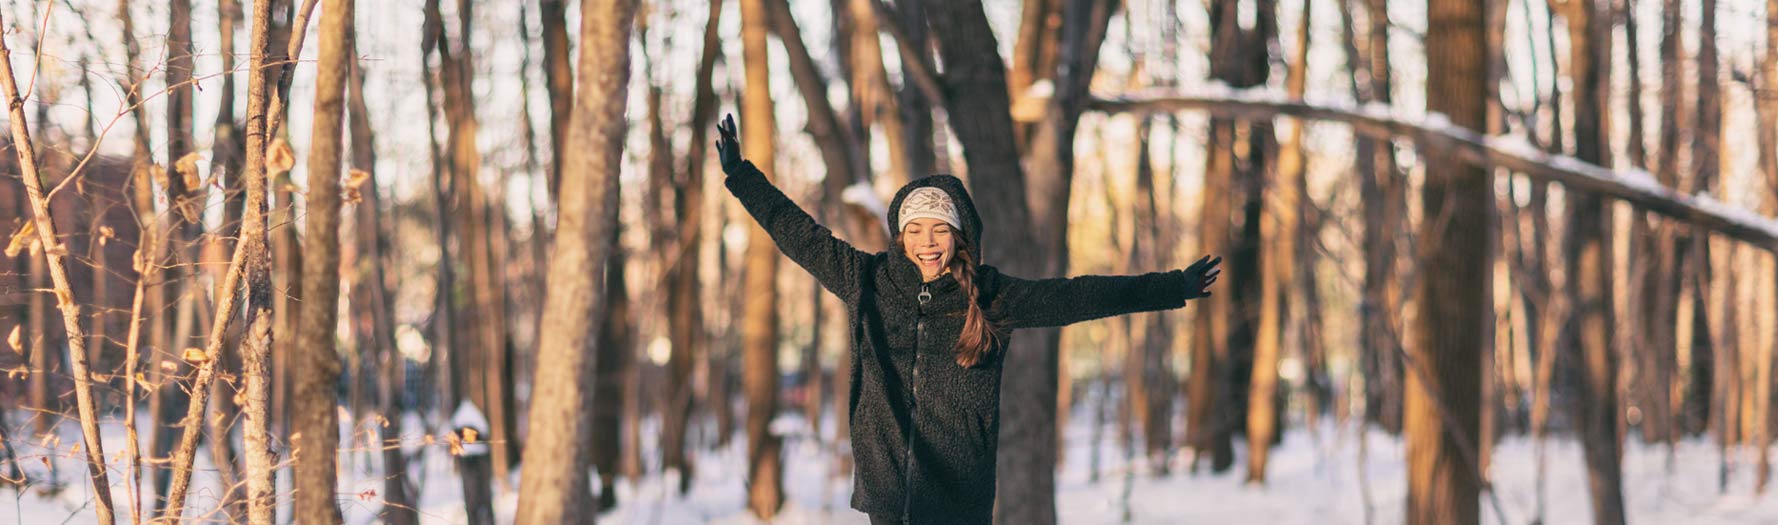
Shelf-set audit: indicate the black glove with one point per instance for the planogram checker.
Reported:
(728, 149)
(1200, 275)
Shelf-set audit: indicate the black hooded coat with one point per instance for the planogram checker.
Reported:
(925, 430)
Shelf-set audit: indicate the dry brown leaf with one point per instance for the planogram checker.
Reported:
(278, 157)
(21, 239)
(159, 173)
(194, 355)
(187, 167)
(354, 187)
(456, 445)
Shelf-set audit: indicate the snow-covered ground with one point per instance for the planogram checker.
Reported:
(1313, 478)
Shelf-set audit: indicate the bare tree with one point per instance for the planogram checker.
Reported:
(1385, 211)
(558, 76)
(251, 258)
(1442, 409)
(1588, 253)
(55, 253)
(373, 303)
(1278, 230)
(1766, 108)
(759, 324)
(315, 420)
(685, 317)
(588, 214)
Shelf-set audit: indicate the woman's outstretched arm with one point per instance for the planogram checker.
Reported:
(1024, 303)
(833, 262)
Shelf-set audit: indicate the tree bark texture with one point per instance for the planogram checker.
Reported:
(759, 325)
(586, 218)
(315, 419)
(1441, 417)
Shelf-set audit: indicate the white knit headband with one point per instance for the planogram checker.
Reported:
(928, 203)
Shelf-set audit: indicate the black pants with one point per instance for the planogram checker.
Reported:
(878, 519)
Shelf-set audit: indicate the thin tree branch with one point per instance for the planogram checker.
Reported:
(923, 77)
(57, 255)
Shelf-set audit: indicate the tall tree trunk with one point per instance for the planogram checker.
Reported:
(251, 258)
(558, 81)
(171, 397)
(1384, 194)
(1233, 178)
(486, 383)
(372, 299)
(685, 317)
(448, 350)
(1664, 283)
(583, 245)
(1589, 262)
(1442, 412)
(872, 97)
(1155, 373)
(226, 151)
(916, 109)
(315, 421)
(1278, 231)
(1767, 113)
(615, 348)
(976, 89)
(759, 326)
(55, 255)
(1030, 443)
(1706, 162)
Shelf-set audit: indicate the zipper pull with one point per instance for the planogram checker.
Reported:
(925, 295)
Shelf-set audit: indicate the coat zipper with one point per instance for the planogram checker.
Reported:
(914, 407)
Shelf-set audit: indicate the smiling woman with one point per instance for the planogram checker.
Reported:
(930, 331)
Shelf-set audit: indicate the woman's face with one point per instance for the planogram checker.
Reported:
(929, 243)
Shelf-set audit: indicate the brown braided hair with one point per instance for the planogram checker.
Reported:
(978, 335)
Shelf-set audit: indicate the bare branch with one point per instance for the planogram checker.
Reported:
(57, 255)
(1632, 185)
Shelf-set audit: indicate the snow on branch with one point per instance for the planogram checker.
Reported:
(1435, 131)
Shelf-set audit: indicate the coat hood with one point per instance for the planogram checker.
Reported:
(972, 221)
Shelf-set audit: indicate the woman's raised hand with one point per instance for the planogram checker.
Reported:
(728, 148)
(1200, 275)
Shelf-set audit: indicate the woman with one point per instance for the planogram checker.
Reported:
(929, 329)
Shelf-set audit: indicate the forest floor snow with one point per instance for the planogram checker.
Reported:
(1314, 477)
